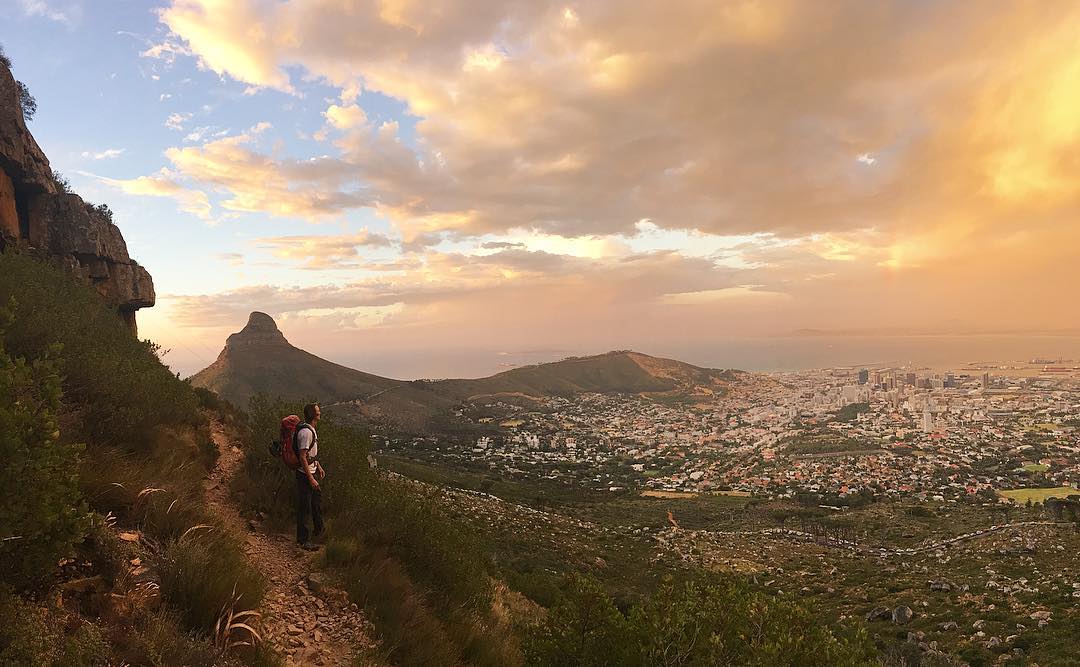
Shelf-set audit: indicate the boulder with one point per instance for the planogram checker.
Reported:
(878, 614)
(317, 581)
(902, 615)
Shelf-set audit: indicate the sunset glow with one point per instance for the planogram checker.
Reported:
(463, 179)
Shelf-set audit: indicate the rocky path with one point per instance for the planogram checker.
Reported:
(305, 615)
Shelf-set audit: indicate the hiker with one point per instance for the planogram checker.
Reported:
(308, 491)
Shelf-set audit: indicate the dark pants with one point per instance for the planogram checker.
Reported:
(308, 500)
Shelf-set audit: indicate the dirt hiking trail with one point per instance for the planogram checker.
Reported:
(306, 616)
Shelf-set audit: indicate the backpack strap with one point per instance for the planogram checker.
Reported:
(296, 434)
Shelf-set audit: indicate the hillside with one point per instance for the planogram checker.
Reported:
(621, 372)
(259, 359)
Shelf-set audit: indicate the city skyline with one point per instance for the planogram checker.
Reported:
(408, 186)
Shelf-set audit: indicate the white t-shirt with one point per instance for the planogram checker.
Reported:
(307, 438)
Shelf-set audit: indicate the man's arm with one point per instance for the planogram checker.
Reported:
(307, 470)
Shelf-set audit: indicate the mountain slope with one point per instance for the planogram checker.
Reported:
(613, 372)
(258, 359)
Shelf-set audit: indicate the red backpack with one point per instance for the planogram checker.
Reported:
(285, 448)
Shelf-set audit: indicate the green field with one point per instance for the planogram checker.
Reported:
(1036, 467)
(1039, 495)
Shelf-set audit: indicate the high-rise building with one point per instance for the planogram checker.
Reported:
(864, 376)
(909, 379)
(986, 381)
(927, 419)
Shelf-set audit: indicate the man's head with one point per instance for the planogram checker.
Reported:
(312, 413)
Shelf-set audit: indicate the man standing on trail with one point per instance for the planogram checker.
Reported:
(308, 492)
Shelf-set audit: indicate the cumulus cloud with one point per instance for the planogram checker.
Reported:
(345, 117)
(814, 162)
(728, 117)
(165, 184)
(256, 182)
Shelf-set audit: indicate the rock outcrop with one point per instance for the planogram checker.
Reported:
(37, 216)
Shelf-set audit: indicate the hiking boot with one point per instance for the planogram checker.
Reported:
(308, 546)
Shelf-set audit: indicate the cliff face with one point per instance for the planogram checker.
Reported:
(36, 216)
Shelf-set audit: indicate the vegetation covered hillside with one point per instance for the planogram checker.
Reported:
(110, 556)
(622, 372)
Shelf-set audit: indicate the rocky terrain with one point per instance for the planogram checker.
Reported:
(39, 216)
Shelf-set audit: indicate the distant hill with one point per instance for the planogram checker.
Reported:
(259, 359)
(613, 372)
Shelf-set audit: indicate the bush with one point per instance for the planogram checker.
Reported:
(26, 102)
(116, 390)
(716, 624)
(61, 182)
(41, 512)
(585, 628)
(31, 635)
(204, 570)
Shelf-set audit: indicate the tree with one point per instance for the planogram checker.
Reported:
(26, 102)
(42, 513)
(583, 630)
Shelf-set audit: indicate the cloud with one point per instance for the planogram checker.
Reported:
(256, 182)
(176, 120)
(106, 154)
(346, 117)
(672, 168)
(165, 184)
(324, 252)
(167, 51)
(586, 121)
(44, 10)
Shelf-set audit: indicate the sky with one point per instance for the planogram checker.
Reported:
(431, 188)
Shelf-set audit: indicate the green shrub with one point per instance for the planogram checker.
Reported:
(203, 571)
(585, 628)
(41, 512)
(149, 448)
(720, 623)
(26, 637)
(116, 390)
